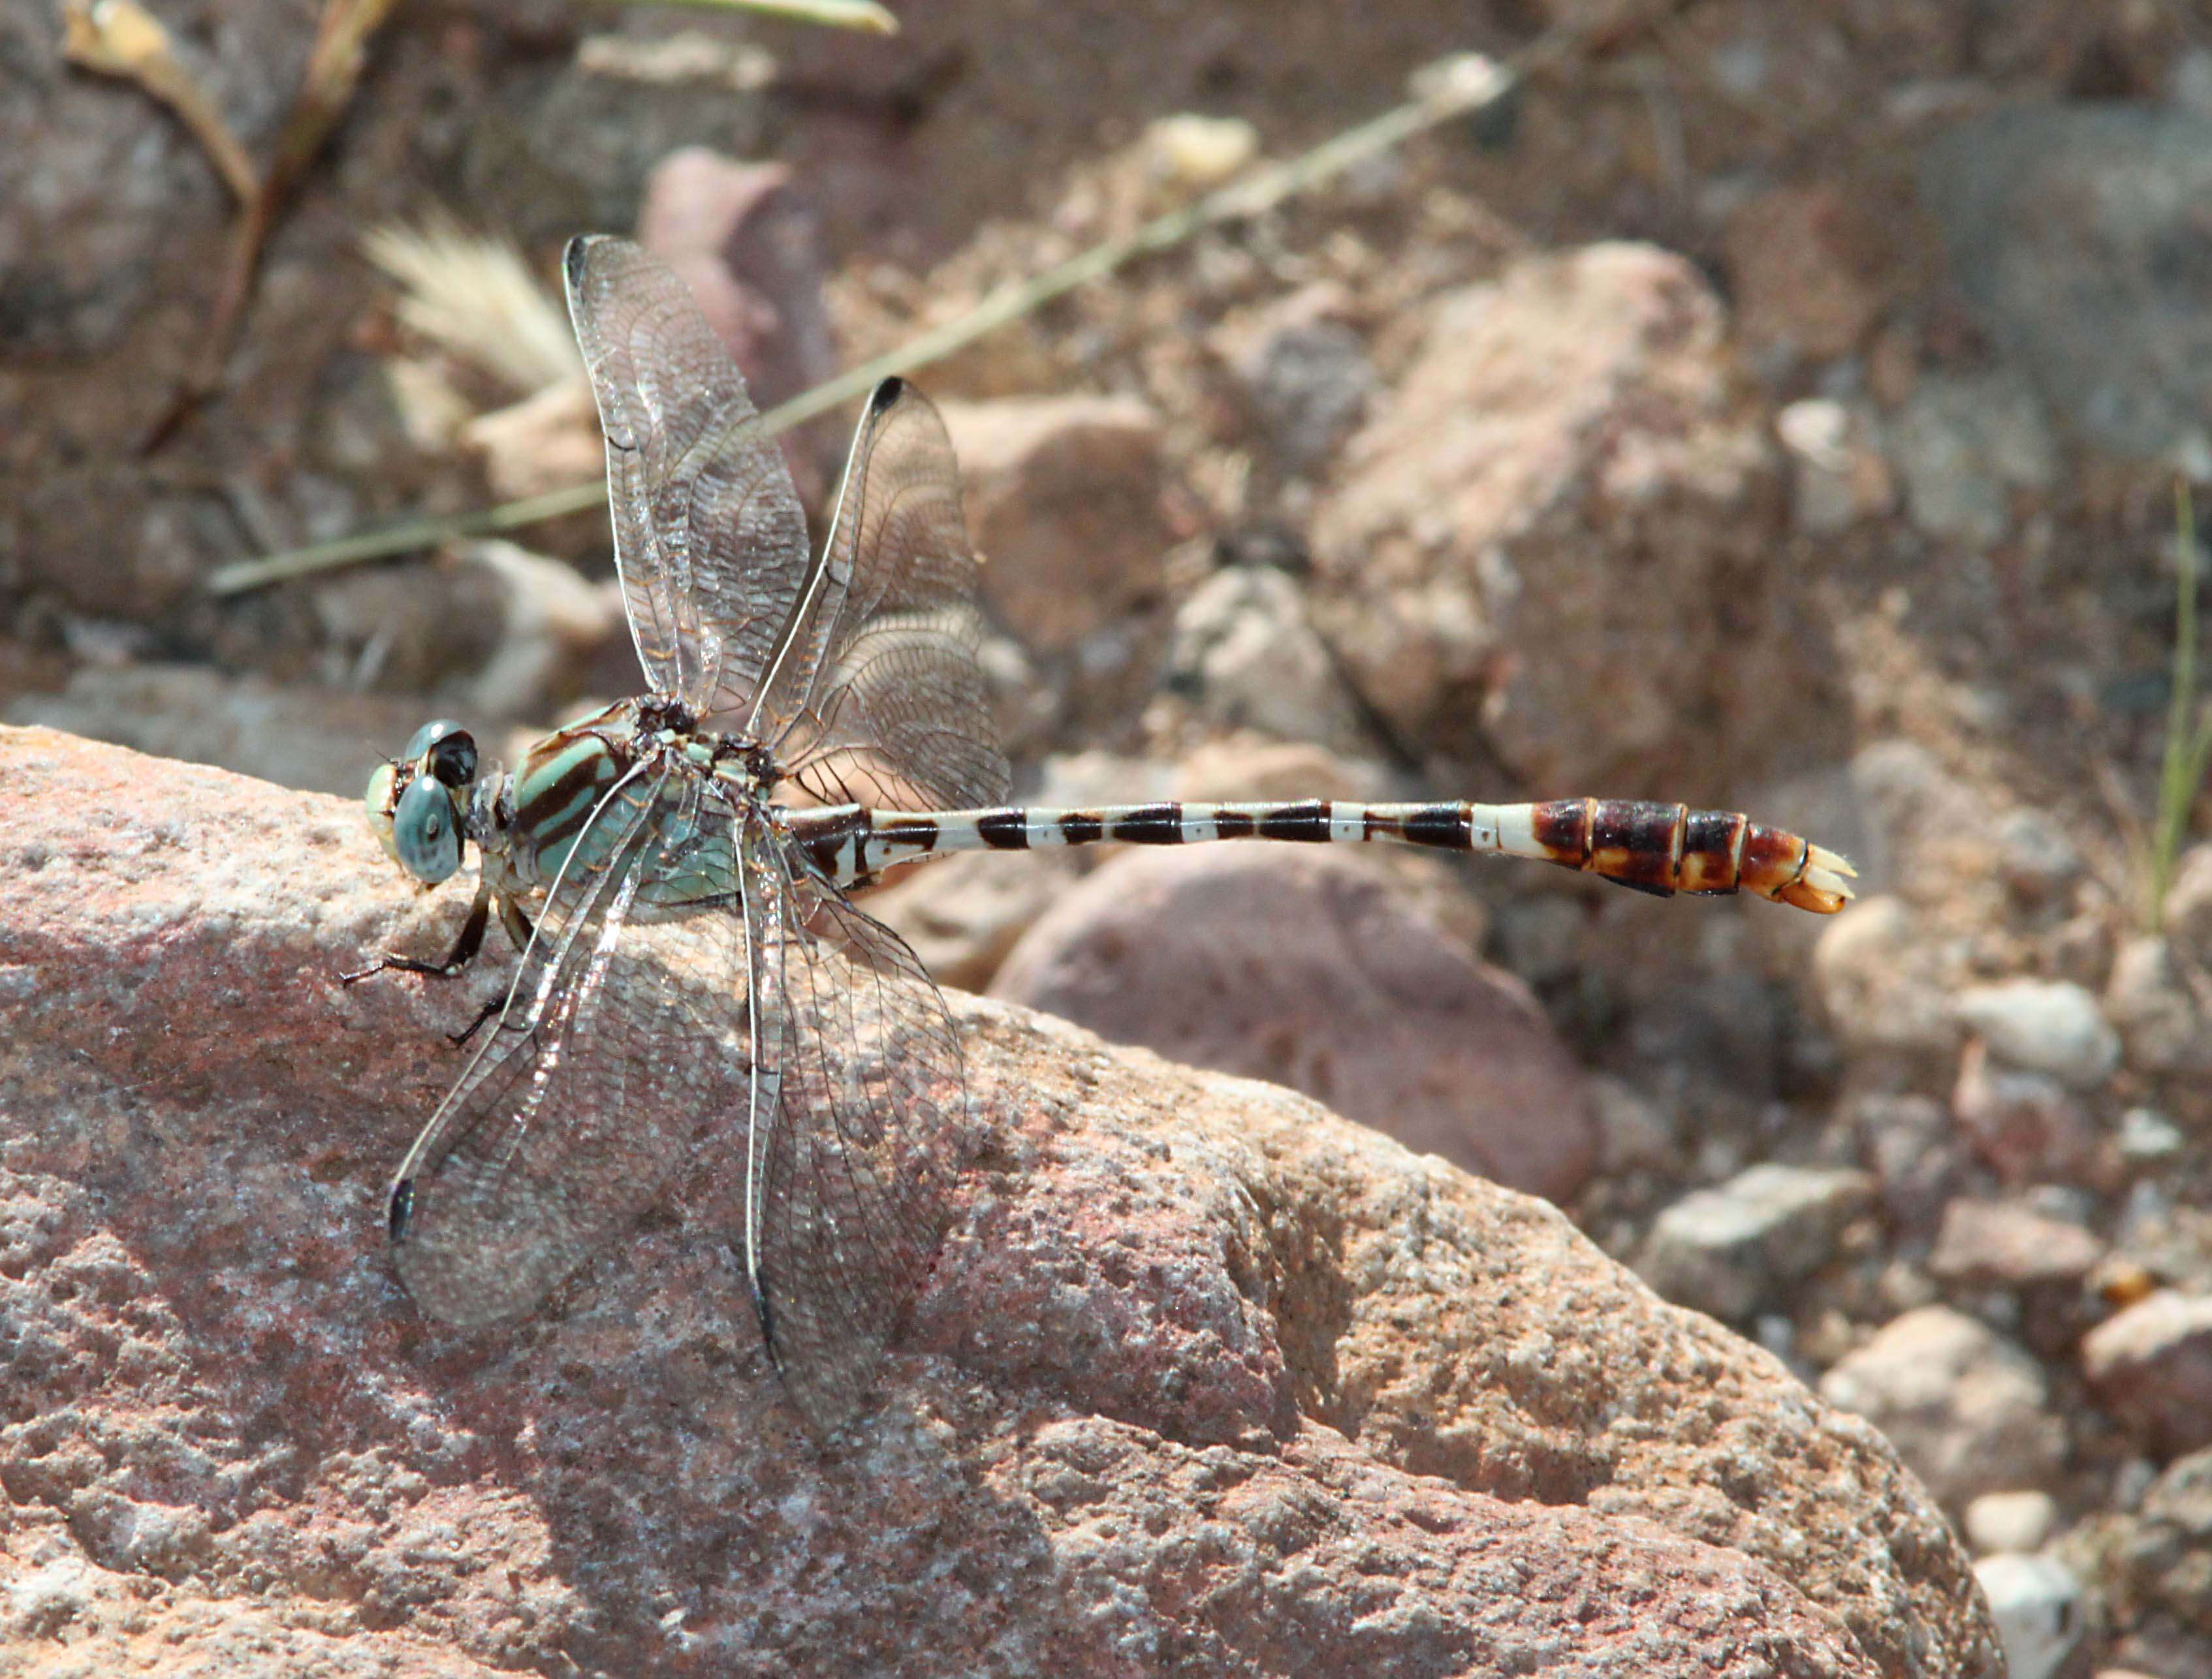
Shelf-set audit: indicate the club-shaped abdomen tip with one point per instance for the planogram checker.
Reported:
(1824, 886)
(400, 1210)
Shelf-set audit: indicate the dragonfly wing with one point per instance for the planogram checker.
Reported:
(615, 1049)
(710, 538)
(877, 697)
(870, 1094)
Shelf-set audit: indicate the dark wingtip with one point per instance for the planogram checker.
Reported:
(572, 259)
(766, 1313)
(887, 392)
(401, 1208)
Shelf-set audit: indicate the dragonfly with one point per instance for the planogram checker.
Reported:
(696, 982)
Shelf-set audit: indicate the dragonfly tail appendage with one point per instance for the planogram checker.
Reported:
(1669, 848)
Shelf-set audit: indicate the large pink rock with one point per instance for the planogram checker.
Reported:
(1568, 508)
(1307, 968)
(1205, 1380)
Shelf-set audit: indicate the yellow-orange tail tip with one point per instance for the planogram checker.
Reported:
(1823, 886)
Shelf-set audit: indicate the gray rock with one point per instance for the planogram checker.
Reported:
(1964, 1407)
(2166, 1563)
(2051, 1026)
(1839, 473)
(2040, 860)
(1730, 1250)
(1247, 655)
(2151, 1367)
(1879, 981)
(2075, 233)
(2036, 1604)
(1914, 1151)
(2147, 1136)
(1311, 383)
(2186, 914)
(1963, 444)
(322, 740)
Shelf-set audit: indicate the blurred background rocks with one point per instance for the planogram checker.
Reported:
(1779, 408)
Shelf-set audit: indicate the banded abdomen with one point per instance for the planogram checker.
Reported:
(1656, 848)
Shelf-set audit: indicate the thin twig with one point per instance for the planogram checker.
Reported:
(2188, 751)
(864, 16)
(120, 38)
(1451, 89)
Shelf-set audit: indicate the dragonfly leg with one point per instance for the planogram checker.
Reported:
(518, 929)
(463, 953)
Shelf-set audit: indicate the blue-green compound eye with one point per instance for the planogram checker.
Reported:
(445, 750)
(426, 834)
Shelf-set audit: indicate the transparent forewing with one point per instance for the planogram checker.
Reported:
(622, 1042)
(869, 1111)
(709, 536)
(878, 697)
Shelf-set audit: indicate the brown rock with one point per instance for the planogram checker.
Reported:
(2154, 1002)
(1305, 968)
(2151, 1367)
(1063, 499)
(746, 240)
(1963, 1405)
(1205, 1380)
(2187, 912)
(1802, 259)
(1565, 511)
(963, 914)
(2026, 1126)
(2002, 1245)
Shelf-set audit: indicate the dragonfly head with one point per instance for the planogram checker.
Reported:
(418, 803)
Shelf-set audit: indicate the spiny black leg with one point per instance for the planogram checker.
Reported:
(519, 930)
(492, 1006)
(463, 953)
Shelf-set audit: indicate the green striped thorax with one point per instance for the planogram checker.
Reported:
(431, 800)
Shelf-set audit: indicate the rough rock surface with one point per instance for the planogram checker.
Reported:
(1207, 1379)
(1580, 402)
(1305, 967)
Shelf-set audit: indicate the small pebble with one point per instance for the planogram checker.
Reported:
(2050, 1027)
(2036, 1602)
(1998, 1524)
(2147, 1136)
